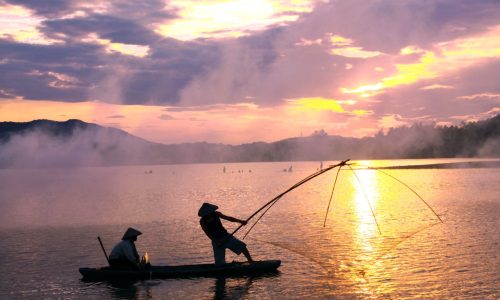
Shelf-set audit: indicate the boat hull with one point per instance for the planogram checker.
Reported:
(200, 270)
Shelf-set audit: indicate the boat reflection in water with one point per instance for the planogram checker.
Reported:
(222, 288)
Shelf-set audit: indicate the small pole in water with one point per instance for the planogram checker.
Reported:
(103, 250)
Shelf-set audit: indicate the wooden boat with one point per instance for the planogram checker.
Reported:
(200, 270)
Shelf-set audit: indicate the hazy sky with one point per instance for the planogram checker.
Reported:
(244, 71)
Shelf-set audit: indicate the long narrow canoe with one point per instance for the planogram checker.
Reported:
(201, 270)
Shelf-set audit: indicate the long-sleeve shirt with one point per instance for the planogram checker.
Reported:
(212, 226)
(125, 249)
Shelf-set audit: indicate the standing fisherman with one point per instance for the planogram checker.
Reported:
(221, 239)
(124, 254)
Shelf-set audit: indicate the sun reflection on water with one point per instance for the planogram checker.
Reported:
(368, 194)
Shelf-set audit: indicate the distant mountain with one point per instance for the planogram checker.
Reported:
(63, 130)
(44, 143)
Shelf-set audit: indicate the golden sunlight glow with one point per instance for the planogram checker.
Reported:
(127, 49)
(366, 193)
(484, 46)
(455, 55)
(410, 73)
(363, 89)
(220, 19)
(339, 41)
(411, 50)
(343, 47)
(19, 24)
(362, 112)
(318, 104)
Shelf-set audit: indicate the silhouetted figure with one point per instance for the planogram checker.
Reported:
(221, 239)
(124, 254)
(321, 166)
(224, 169)
(290, 169)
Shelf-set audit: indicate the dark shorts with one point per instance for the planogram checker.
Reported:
(228, 242)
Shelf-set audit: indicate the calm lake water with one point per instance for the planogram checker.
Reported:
(50, 218)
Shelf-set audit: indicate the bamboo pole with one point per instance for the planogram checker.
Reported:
(331, 196)
(275, 199)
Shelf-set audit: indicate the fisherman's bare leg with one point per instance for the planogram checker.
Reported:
(219, 254)
(247, 255)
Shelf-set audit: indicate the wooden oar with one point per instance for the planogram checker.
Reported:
(103, 250)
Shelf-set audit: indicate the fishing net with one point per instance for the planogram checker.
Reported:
(371, 214)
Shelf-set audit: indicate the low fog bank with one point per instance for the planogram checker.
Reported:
(44, 143)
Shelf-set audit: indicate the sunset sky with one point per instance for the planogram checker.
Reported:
(243, 71)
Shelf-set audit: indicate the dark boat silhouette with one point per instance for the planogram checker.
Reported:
(199, 270)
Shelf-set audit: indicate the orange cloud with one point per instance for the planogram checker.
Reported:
(453, 55)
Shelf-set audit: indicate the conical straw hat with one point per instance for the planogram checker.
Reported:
(130, 233)
(206, 209)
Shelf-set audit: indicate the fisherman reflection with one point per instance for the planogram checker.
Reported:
(221, 239)
(124, 254)
(122, 289)
(232, 292)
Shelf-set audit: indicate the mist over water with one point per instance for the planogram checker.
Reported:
(49, 220)
(92, 146)
(73, 143)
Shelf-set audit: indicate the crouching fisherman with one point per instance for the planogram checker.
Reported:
(221, 239)
(124, 254)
